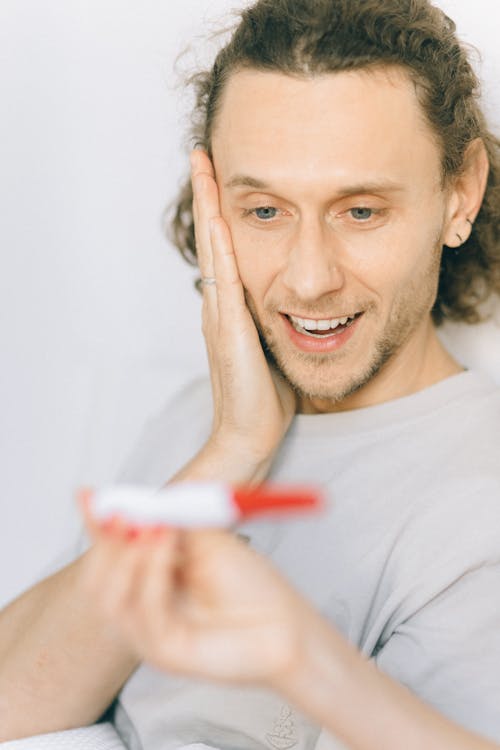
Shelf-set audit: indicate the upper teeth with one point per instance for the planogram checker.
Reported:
(319, 325)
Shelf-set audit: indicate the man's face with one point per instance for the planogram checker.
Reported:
(331, 188)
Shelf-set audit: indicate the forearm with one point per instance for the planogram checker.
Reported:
(228, 462)
(345, 693)
(60, 665)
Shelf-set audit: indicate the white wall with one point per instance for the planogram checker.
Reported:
(99, 321)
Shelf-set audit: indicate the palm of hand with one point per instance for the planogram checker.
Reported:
(229, 615)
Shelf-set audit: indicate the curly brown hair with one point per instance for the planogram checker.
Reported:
(308, 37)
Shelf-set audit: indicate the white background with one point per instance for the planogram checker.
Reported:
(99, 321)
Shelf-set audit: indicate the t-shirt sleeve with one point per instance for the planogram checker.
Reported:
(448, 653)
(445, 642)
(171, 438)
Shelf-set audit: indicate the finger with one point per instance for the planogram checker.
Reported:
(215, 381)
(223, 304)
(98, 529)
(201, 163)
(123, 573)
(83, 497)
(146, 618)
(230, 295)
(205, 206)
(112, 569)
(206, 199)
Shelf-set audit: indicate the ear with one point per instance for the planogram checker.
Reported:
(466, 194)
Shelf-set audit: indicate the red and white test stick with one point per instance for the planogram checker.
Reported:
(200, 504)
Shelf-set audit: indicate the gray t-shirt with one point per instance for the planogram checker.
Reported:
(405, 561)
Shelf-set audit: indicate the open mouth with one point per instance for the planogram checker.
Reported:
(319, 329)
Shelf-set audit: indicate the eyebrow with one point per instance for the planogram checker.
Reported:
(242, 180)
(388, 186)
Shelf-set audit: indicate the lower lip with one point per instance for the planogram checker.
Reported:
(320, 346)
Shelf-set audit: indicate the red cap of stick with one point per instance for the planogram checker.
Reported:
(272, 498)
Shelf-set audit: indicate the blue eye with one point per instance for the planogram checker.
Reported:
(361, 214)
(265, 212)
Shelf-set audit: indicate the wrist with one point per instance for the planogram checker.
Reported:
(320, 672)
(223, 459)
(316, 644)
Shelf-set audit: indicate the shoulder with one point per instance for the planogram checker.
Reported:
(450, 537)
(470, 434)
(192, 404)
(453, 445)
(172, 437)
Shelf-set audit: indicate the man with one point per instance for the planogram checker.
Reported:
(343, 207)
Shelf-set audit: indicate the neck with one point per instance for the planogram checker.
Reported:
(418, 364)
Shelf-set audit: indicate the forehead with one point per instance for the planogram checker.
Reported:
(348, 124)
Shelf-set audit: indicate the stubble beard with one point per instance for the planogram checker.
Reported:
(314, 376)
(323, 376)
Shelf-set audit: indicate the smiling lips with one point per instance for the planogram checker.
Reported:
(321, 328)
(320, 336)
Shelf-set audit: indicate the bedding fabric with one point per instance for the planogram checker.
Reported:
(97, 737)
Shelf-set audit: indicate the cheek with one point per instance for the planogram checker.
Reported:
(393, 261)
(412, 272)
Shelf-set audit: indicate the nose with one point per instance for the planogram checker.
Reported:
(313, 265)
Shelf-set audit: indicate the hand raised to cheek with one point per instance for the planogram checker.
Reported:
(253, 406)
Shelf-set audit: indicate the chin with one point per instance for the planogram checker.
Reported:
(314, 378)
(329, 379)
(333, 389)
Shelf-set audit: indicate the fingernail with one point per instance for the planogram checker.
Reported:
(110, 525)
(83, 495)
(159, 531)
(132, 532)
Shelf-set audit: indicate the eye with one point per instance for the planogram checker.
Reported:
(262, 215)
(361, 214)
(265, 212)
